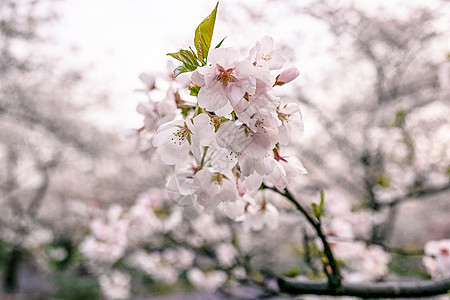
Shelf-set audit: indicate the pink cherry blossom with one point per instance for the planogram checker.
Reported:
(226, 79)
(291, 122)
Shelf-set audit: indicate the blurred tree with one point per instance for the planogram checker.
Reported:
(395, 103)
(380, 135)
(54, 159)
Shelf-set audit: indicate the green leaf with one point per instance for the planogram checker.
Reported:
(220, 44)
(194, 89)
(322, 200)
(189, 60)
(203, 35)
(318, 209)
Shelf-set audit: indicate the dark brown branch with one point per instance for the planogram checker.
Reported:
(403, 289)
(331, 268)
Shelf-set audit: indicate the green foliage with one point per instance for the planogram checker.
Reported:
(189, 60)
(202, 42)
(194, 89)
(203, 35)
(71, 287)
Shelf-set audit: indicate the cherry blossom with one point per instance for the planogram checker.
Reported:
(291, 122)
(172, 142)
(226, 79)
(265, 54)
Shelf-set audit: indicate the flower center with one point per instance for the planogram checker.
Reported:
(218, 178)
(284, 117)
(225, 76)
(266, 57)
(181, 134)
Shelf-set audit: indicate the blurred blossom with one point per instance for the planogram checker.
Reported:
(210, 231)
(37, 237)
(226, 254)
(155, 265)
(437, 259)
(115, 286)
(180, 258)
(207, 280)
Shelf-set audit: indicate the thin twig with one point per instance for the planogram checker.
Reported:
(333, 275)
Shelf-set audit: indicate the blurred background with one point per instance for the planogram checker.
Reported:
(374, 89)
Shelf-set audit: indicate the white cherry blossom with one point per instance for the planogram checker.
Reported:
(264, 54)
(172, 141)
(291, 122)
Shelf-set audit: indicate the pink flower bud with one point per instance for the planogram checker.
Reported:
(287, 76)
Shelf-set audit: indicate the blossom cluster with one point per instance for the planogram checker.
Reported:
(160, 240)
(225, 143)
(347, 230)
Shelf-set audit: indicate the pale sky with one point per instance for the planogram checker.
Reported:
(118, 39)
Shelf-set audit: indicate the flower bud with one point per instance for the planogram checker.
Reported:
(287, 76)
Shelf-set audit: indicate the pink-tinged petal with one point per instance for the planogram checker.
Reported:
(287, 76)
(233, 209)
(202, 130)
(284, 133)
(198, 78)
(232, 137)
(213, 97)
(223, 56)
(253, 182)
(173, 154)
(180, 189)
(222, 159)
(164, 131)
(224, 111)
(208, 73)
(235, 94)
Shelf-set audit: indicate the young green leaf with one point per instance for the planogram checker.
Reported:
(194, 89)
(189, 60)
(203, 35)
(316, 210)
(220, 44)
(322, 200)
